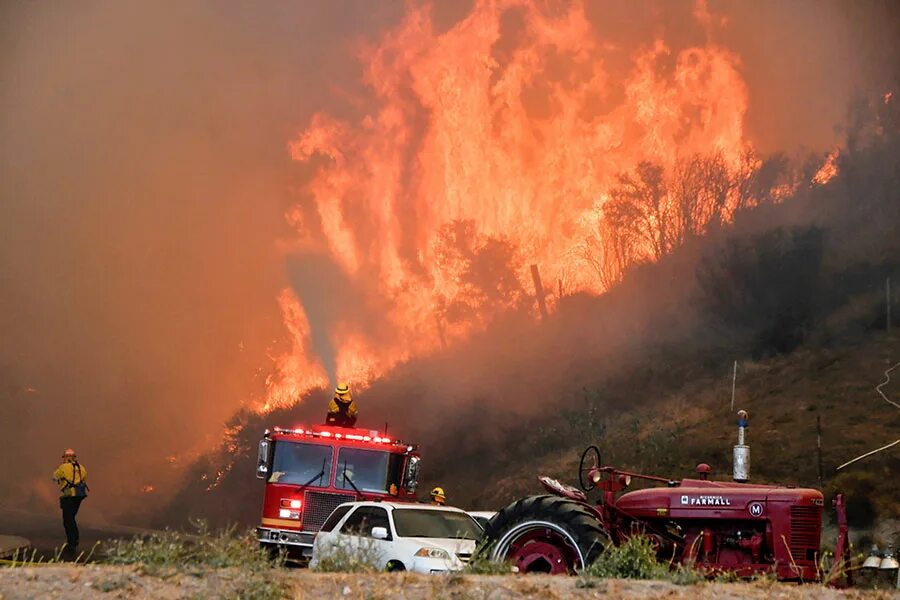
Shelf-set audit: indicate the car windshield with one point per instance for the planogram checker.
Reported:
(417, 522)
(301, 464)
(368, 470)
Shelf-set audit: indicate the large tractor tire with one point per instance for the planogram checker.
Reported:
(545, 534)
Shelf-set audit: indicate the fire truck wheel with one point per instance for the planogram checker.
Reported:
(545, 534)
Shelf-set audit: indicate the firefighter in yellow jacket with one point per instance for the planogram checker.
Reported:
(342, 409)
(72, 480)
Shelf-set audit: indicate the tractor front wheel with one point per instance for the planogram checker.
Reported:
(545, 534)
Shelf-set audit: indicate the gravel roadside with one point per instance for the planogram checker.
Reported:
(102, 581)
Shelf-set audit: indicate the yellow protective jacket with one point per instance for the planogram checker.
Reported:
(341, 414)
(67, 474)
(349, 408)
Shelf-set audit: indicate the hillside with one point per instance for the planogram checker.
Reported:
(792, 288)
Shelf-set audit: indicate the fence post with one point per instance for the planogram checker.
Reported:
(887, 303)
(819, 451)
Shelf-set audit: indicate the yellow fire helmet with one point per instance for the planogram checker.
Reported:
(438, 495)
(341, 389)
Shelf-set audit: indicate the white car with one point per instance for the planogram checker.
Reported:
(482, 516)
(396, 536)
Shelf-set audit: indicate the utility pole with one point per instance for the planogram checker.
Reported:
(539, 291)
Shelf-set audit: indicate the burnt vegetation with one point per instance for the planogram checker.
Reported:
(703, 266)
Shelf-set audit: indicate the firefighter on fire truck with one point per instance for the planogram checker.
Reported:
(342, 409)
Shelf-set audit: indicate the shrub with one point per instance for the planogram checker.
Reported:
(633, 559)
(179, 550)
(636, 559)
(481, 564)
(345, 557)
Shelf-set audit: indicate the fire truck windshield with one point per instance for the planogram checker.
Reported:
(368, 470)
(301, 464)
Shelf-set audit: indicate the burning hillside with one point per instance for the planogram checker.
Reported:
(211, 207)
(518, 136)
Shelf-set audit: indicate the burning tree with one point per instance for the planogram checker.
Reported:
(652, 211)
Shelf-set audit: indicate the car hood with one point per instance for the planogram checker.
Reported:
(451, 545)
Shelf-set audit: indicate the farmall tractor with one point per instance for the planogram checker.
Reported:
(714, 526)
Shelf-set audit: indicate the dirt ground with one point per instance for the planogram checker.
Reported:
(97, 581)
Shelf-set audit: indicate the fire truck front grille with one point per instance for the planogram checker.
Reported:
(806, 525)
(318, 505)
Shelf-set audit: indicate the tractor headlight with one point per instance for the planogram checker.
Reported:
(426, 552)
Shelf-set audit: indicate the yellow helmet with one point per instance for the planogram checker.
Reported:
(438, 495)
(342, 388)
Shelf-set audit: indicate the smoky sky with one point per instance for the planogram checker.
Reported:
(331, 300)
(144, 177)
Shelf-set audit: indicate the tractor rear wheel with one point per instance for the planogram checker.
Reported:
(545, 534)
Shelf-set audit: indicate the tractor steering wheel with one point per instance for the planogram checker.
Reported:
(590, 459)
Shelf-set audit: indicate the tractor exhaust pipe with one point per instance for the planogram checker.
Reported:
(742, 451)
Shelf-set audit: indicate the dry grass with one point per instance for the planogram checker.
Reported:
(89, 582)
(252, 573)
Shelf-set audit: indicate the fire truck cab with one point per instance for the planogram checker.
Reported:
(308, 472)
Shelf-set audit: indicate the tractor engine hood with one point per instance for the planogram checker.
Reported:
(697, 498)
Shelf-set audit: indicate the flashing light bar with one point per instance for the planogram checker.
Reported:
(338, 436)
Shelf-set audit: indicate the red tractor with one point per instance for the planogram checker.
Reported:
(714, 526)
(309, 472)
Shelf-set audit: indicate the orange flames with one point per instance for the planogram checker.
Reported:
(828, 169)
(495, 142)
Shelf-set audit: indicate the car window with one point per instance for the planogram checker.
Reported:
(419, 522)
(334, 517)
(363, 519)
(353, 524)
(379, 518)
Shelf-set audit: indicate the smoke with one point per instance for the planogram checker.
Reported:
(333, 302)
(146, 173)
(143, 150)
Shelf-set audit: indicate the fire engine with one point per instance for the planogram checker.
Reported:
(308, 472)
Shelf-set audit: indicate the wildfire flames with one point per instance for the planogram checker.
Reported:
(828, 169)
(508, 140)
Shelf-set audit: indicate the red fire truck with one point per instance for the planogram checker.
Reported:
(308, 472)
